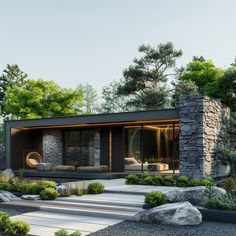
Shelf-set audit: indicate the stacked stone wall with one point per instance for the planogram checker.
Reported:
(52, 146)
(200, 126)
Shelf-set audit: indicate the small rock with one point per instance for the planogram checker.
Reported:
(181, 213)
(195, 195)
(30, 197)
(6, 196)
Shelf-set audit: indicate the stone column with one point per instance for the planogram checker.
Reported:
(200, 126)
(52, 146)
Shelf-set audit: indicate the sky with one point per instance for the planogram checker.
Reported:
(93, 41)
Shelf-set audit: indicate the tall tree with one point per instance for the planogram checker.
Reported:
(90, 98)
(40, 98)
(145, 82)
(12, 76)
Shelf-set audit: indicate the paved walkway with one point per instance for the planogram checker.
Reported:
(87, 213)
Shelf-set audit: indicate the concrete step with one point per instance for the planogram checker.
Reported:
(115, 212)
(104, 201)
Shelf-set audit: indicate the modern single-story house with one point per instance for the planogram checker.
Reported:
(173, 141)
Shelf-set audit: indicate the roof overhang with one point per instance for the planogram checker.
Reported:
(127, 118)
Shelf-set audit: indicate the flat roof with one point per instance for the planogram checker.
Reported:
(153, 115)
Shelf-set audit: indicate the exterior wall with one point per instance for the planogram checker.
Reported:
(52, 146)
(200, 126)
(2, 157)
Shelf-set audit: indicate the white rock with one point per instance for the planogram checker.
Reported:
(6, 196)
(30, 197)
(195, 195)
(181, 213)
(62, 190)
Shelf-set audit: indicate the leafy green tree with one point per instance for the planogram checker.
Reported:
(145, 82)
(203, 73)
(12, 76)
(112, 102)
(90, 98)
(40, 98)
(227, 88)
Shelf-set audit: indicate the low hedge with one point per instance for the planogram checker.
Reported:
(63, 232)
(96, 188)
(158, 180)
(155, 198)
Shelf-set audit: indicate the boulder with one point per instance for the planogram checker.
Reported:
(30, 197)
(6, 196)
(62, 190)
(195, 195)
(181, 213)
(7, 174)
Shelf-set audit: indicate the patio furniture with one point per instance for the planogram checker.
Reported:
(32, 159)
(87, 169)
(43, 166)
(133, 164)
(64, 168)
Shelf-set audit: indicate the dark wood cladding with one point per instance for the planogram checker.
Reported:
(118, 148)
(104, 146)
(23, 142)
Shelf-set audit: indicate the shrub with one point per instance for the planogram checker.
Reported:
(147, 180)
(155, 198)
(4, 222)
(18, 228)
(96, 188)
(182, 181)
(168, 181)
(225, 202)
(63, 232)
(48, 194)
(76, 233)
(195, 182)
(228, 184)
(157, 180)
(25, 188)
(132, 179)
(206, 182)
(5, 186)
(234, 191)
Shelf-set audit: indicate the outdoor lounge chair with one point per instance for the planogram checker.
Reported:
(32, 159)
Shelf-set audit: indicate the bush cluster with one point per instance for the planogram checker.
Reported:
(158, 180)
(12, 227)
(96, 188)
(63, 232)
(155, 198)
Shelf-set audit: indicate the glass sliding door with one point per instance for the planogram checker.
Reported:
(152, 147)
(80, 148)
(132, 148)
(160, 147)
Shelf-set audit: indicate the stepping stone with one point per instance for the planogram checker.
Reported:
(6, 196)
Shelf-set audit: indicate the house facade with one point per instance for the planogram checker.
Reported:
(179, 141)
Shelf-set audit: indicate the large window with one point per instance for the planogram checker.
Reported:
(152, 148)
(79, 147)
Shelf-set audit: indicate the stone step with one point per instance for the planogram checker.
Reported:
(123, 213)
(105, 201)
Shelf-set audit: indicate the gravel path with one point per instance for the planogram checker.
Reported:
(207, 228)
